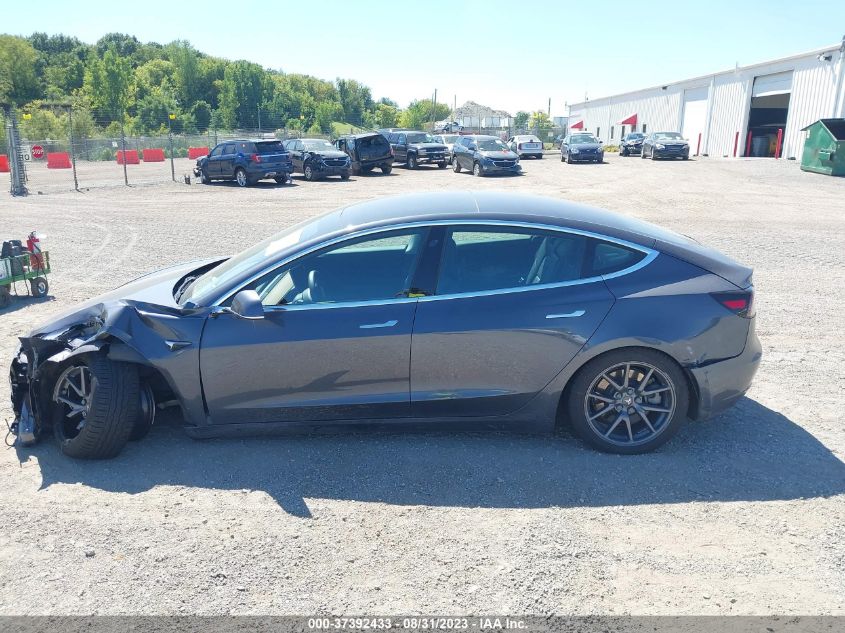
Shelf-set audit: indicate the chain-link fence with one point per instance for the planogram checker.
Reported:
(49, 165)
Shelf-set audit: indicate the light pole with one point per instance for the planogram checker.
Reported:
(170, 118)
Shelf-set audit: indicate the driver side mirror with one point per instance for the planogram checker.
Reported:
(247, 305)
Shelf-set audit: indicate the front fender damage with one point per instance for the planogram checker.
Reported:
(131, 331)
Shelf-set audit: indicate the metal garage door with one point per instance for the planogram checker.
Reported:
(776, 84)
(694, 116)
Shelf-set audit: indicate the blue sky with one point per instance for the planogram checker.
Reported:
(509, 55)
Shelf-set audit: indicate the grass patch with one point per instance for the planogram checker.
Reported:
(339, 128)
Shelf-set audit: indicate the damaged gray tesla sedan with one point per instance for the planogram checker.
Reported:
(506, 310)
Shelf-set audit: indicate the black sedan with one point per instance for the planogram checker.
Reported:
(665, 145)
(317, 158)
(581, 147)
(441, 309)
(631, 144)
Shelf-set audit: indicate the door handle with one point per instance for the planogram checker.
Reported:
(566, 315)
(371, 326)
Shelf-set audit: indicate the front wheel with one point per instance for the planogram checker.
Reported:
(39, 287)
(241, 177)
(623, 152)
(204, 179)
(441, 165)
(628, 401)
(308, 172)
(386, 169)
(95, 407)
(344, 175)
(477, 170)
(456, 166)
(412, 162)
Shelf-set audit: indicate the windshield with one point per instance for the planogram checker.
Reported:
(421, 137)
(221, 275)
(317, 144)
(449, 138)
(492, 145)
(583, 138)
(668, 136)
(635, 137)
(269, 147)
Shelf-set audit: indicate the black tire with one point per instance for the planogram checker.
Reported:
(412, 162)
(539, 157)
(562, 157)
(241, 178)
(623, 152)
(39, 287)
(146, 413)
(685, 158)
(653, 155)
(456, 165)
(642, 154)
(308, 172)
(204, 179)
(441, 165)
(112, 409)
(386, 169)
(568, 159)
(595, 373)
(5, 297)
(477, 169)
(344, 175)
(367, 170)
(356, 171)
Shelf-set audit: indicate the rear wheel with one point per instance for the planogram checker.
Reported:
(241, 177)
(95, 407)
(39, 286)
(628, 401)
(456, 166)
(280, 180)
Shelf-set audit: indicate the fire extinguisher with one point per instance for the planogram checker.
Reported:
(33, 245)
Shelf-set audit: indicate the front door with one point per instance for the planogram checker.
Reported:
(508, 315)
(214, 158)
(334, 342)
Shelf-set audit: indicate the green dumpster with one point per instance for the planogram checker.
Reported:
(824, 147)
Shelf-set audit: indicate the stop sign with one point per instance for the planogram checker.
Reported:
(37, 152)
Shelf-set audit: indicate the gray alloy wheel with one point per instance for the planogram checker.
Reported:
(308, 171)
(412, 161)
(568, 158)
(642, 153)
(628, 401)
(456, 165)
(653, 154)
(204, 179)
(562, 157)
(95, 407)
(39, 287)
(240, 177)
(477, 169)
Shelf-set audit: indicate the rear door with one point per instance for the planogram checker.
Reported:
(226, 165)
(512, 307)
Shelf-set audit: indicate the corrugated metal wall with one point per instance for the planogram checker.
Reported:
(812, 97)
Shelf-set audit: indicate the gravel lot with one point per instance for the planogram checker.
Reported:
(744, 514)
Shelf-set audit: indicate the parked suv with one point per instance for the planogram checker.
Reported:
(483, 155)
(367, 152)
(413, 147)
(317, 158)
(246, 162)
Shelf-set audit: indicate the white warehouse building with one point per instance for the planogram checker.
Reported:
(738, 112)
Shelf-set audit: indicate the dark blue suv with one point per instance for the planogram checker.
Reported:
(246, 162)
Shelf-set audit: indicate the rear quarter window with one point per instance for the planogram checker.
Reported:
(605, 258)
(270, 147)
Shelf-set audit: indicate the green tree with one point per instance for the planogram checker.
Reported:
(520, 120)
(540, 124)
(243, 93)
(355, 99)
(153, 112)
(325, 113)
(109, 83)
(422, 113)
(187, 75)
(18, 77)
(201, 114)
(386, 115)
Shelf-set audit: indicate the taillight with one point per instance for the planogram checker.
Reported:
(740, 303)
(255, 158)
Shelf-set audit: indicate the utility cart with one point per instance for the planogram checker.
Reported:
(28, 264)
